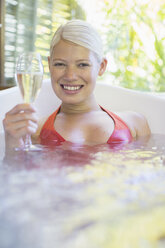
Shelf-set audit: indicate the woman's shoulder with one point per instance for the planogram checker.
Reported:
(136, 122)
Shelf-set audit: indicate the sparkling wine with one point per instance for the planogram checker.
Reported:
(29, 84)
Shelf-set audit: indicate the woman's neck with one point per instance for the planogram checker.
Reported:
(80, 108)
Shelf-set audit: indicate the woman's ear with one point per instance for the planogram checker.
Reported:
(103, 66)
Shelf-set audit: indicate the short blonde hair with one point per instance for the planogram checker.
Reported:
(81, 33)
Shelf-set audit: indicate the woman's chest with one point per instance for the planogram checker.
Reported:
(93, 128)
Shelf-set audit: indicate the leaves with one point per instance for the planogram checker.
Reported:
(135, 37)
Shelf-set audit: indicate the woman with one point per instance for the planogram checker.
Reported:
(76, 60)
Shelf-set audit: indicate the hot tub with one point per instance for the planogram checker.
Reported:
(106, 196)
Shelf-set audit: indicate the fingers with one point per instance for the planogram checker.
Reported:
(22, 107)
(21, 116)
(21, 120)
(20, 129)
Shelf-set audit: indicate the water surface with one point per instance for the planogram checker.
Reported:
(107, 196)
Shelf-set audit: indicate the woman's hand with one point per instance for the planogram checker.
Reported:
(18, 122)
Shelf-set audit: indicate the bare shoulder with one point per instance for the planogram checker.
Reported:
(136, 122)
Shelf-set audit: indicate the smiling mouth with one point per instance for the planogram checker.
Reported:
(71, 87)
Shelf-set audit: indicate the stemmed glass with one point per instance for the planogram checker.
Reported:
(29, 75)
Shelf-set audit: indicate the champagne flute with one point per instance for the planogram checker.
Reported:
(29, 75)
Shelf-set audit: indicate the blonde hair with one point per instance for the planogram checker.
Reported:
(81, 33)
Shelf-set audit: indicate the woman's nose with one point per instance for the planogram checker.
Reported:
(70, 73)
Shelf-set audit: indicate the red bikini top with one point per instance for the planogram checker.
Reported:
(49, 136)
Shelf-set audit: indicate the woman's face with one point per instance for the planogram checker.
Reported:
(74, 70)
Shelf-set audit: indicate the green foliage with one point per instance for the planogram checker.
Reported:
(135, 38)
(133, 31)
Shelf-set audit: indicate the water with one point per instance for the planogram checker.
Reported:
(108, 196)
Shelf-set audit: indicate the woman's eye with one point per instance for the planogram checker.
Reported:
(59, 64)
(83, 64)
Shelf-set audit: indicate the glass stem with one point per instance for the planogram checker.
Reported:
(28, 142)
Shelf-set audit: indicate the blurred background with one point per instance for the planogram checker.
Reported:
(133, 33)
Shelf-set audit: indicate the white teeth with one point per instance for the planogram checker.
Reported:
(71, 87)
